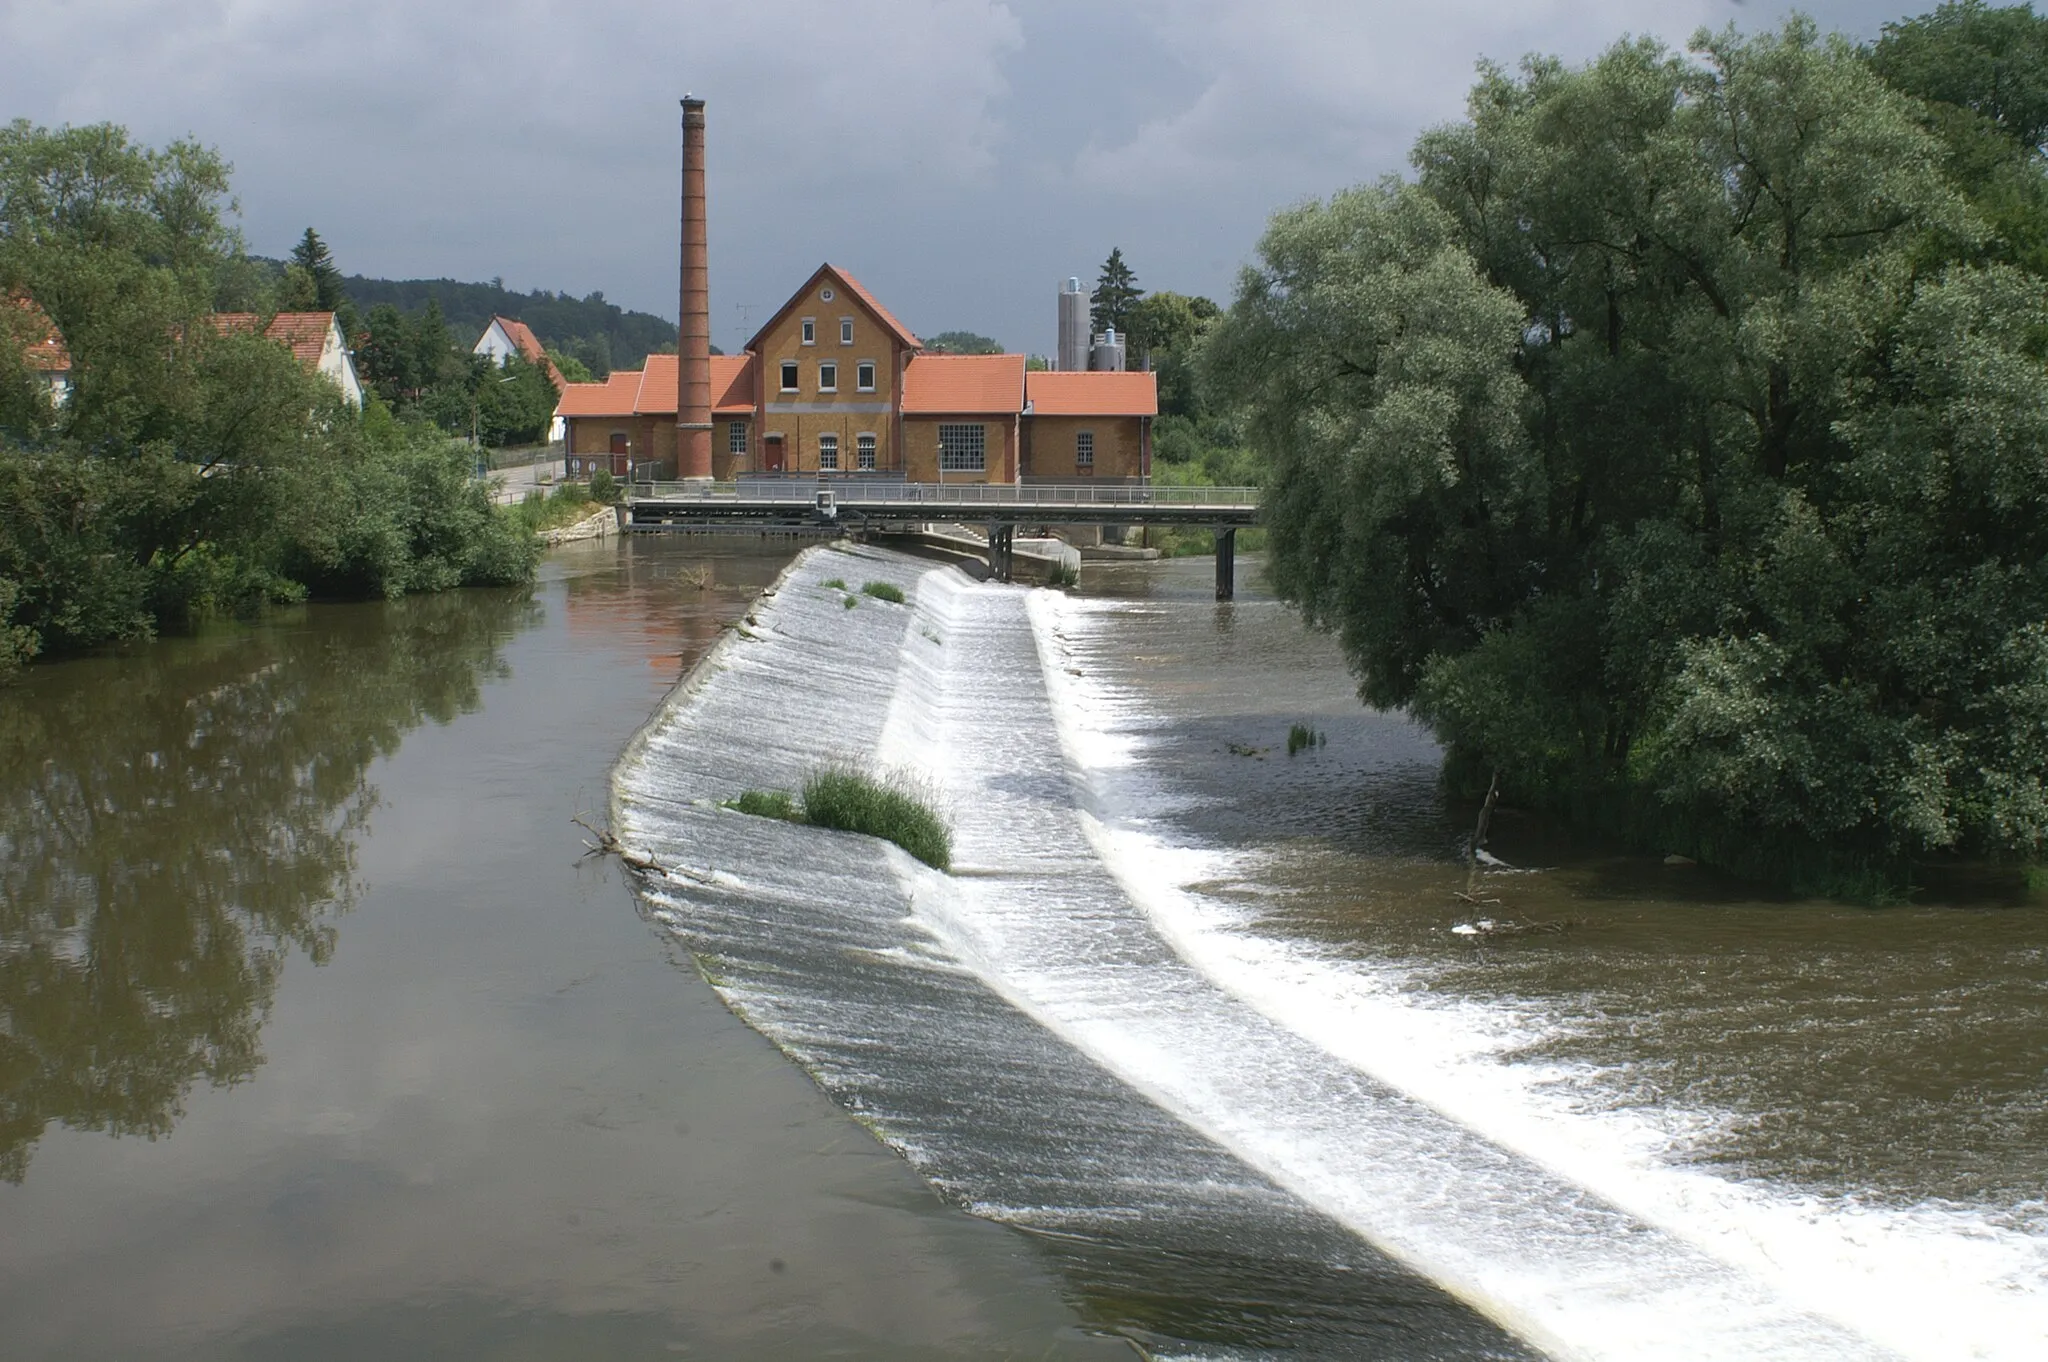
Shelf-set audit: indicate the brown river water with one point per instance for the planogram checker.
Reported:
(317, 1040)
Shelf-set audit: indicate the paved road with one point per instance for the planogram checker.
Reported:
(509, 486)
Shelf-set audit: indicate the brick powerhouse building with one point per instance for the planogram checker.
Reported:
(834, 385)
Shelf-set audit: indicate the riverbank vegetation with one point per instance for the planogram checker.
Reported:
(895, 809)
(189, 468)
(1676, 442)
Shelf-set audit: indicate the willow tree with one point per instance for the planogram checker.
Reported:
(1658, 450)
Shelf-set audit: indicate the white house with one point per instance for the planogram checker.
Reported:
(314, 338)
(506, 337)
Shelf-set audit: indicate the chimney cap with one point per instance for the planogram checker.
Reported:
(692, 102)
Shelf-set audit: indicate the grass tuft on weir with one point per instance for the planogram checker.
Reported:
(883, 591)
(896, 809)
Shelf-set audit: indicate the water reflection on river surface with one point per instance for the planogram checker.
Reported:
(295, 911)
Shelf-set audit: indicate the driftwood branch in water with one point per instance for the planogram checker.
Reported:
(608, 845)
(1479, 840)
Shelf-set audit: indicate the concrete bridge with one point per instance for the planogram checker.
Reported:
(886, 504)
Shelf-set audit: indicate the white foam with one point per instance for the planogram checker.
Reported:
(1040, 918)
(1930, 1282)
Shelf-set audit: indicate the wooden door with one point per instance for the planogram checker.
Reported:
(771, 454)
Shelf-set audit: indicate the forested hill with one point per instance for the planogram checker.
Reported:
(603, 335)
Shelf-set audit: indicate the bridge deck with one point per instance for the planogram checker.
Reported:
(675, 503)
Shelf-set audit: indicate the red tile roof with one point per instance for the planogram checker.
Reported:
(613, 397)
(651, 391)
(522, 337)
(1092, 394)
(852, 286)
(46, 350)
(656, 395)
(303, 333)
(530, 348)
(732, 385)
(963, 385)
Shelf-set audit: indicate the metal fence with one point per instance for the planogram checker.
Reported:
(885, 492)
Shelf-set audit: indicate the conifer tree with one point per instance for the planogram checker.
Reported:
(312, 256)
(1116, 294)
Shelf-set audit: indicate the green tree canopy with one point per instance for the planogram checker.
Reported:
(1993, 62)
(194, 465)
(962, 343)
(1649, 450)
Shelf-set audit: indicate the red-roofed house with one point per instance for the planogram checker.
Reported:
(44, 349)
(314, 338)
(835, 385)
(506, 337)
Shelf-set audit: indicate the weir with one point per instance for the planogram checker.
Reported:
(1140, 1101)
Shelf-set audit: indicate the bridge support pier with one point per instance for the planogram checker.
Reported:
(1002, 552)
(1226, 564)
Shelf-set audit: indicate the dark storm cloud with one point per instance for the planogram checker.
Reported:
(961, 156)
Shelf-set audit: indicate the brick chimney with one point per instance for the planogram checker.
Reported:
(693, 344)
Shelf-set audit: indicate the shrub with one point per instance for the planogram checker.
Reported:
(603, 487)
(894, 810)
(1301, 735)
(767, 804)
(883, 591)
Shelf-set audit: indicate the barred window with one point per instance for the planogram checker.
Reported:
(963, 449)
(1084, 451)
(789, 375)
(828, 378)
(736, 438)
(864, 375)
(864, 452)
(828, 453)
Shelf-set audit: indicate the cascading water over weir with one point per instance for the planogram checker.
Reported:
(1057, 1038)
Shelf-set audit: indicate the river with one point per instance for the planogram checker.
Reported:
(296, 912)
(1201, 1032)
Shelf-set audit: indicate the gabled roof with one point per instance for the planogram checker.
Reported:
(651, 391)
(303, 333)
(852, 286)
(1092, 394)
(522, 338)
(528, 345)
(949, 385)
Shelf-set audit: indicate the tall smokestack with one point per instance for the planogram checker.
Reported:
(693, 345)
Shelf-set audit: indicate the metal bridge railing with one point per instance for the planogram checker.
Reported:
(1051, 496)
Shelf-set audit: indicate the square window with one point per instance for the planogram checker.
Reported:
(864, 375)
(736, 438)
(789, 375)
(828, 377)
(828, 453)
(864, 452)
(846, 330)
(963, 449)
(1084, 451)
(810, 331)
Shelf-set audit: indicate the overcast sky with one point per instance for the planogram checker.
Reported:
(960, 157)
